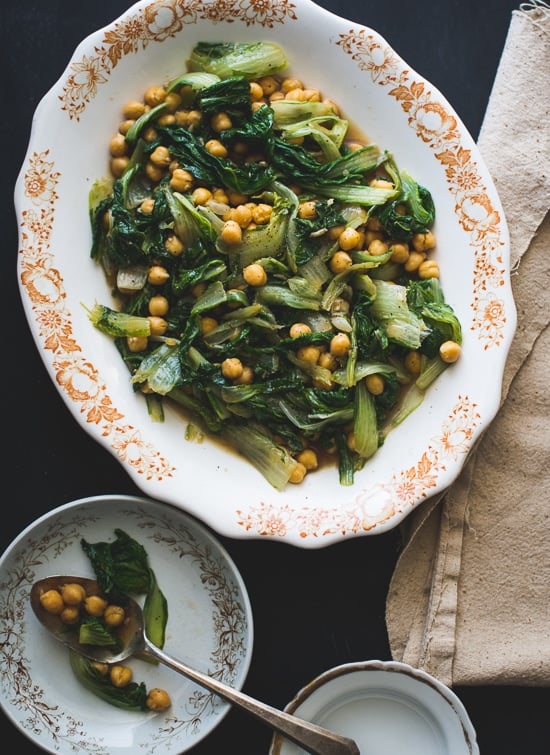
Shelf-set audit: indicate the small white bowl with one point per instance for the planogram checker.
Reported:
(209, 625)
(398, 110)
(388, 708)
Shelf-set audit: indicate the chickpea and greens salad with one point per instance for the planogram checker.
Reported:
(274, 277)
(122, 568)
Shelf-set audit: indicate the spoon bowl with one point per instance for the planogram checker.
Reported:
(133, 640)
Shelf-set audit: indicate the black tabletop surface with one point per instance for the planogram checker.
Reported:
(313, 609)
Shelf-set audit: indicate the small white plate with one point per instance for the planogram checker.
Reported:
(388, 708)
(209, 626)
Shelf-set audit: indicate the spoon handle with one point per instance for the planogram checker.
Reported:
(314, 739)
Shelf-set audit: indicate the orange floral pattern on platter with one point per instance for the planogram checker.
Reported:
(156, 23)
(477, 216)
(75, 375)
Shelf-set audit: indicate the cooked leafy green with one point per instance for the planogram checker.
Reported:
(279, 155)
(122, 568)
(132, 697)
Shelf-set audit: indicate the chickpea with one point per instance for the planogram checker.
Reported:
(308, 458)
(246, 377)
(201, 195)
(255, 275)
(120, 676)
(340, 345)
(377, 247)
(147, 206)
(159, 326)
(220, 195)
(428, 269)
(297, 95)
(70, 615)
(414, 261)
(153, 172)
(381, 183)
(241, 215)
(256, 91)
(150, 134)
(158, 305)
(52, 602)
(158, 699)
(371, 235)
(269, 84)
(154, 95)
(172, 101)
(307, 210)
(261, 213)
(291, 83)
(413, 362)
(298, 473)
(299, 329)
(334, 232)
(95, 605)
(312, 95)
(174, 245)
(339, 262)
(327, 360)
(349, 239)
(231, 233)
(168, 119)
(236, 198)
(133, 109)
(216, 148)
(73, 594)
(157, 275)
(399, 252)
(449, 351)
(114, 615)
(207, 324)
(160, 157)
(375, 384)
(137, 343)
(101, 668)
(118, 165)
(232, 368)
(181, 180)
(309, 354)
(423, 242)
(125, 126)
(220, 122)
(118, 146)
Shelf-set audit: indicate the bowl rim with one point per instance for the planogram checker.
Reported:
(207, 559)
(394, 670)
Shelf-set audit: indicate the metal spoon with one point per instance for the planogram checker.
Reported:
(310, 737)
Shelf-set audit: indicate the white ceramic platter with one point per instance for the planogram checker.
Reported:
(209, 626)
(387, 707)
(397, 109)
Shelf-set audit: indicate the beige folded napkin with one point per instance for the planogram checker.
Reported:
(469, 601)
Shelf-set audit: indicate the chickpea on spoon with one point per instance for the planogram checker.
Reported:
(49, 610)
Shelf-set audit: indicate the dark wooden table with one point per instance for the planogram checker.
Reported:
(312, 609)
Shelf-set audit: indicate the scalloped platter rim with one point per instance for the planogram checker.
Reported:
(399, 110)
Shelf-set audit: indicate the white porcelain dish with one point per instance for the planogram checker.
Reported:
(386, 707)
(210, 626)
(400, 111)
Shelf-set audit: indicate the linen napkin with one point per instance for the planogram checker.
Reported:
(469, 600)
